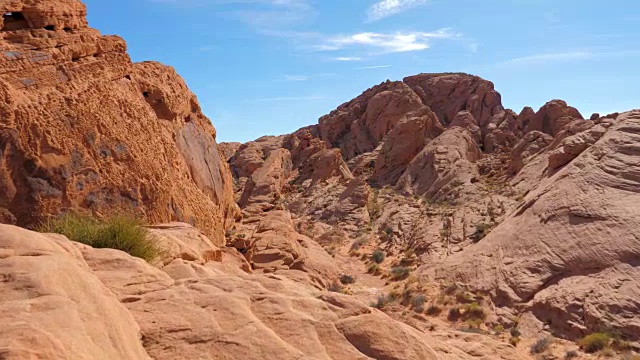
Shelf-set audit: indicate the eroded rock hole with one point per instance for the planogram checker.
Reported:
(145, 94)
(14, 21)
(67, 29)
(50, 28)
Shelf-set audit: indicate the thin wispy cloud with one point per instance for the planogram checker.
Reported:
(386, 8)
(385, 43)
(264, 15)
(571, 56)
(296, 78)
(549, 57)
(306, 77)
(372, 67)
(286, 98)
(346, 58)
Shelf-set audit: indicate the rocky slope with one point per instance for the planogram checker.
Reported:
(421, 220)
(530, 214)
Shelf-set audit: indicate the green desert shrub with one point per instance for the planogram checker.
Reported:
(374, 269)
(474, 311)
(571, 354)
(380, 302)
(418, 303)
(541, 345)
(482, 230)
(595, 342)
(434, 310)
(347, 279)
(400, 272)
(121, 232)
(378, 256)
(358, 243)
(335, 287)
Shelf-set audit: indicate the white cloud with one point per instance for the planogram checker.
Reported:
(386, 8)
(549, 57)
(385, 43)
(571, 56)
(346, 58)
(296, 78)
(373, 67)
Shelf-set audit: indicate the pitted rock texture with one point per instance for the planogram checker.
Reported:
(577, 228)
(84, 128)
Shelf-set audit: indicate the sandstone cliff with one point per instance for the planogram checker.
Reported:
(83, 127)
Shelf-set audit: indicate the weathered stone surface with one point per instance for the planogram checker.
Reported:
(403, 143)
(577, 226)
(54, 307)
(552, 117)
(358, 126)
(448, 94)
(83, 127)
(447, 160)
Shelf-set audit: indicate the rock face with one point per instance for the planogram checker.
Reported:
(83, 127)
(448, 94)
(570, 251)
(54, 307)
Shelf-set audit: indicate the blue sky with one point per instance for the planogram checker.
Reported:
(269, 67)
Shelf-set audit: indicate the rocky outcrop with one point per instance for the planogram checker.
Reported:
(446, 162)
(531, 144)
(448, 94)
(84, 128)
(551, 118)
(358, 126)
(54, 307)
(403, 143)
(578, 227)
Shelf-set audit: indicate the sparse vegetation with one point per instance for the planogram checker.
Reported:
(514, 332)
(434, 310)
(594, 342)
(380, 302)
(373, 206)
(400, 272)
(418, 303)
(571, 354)
(374, 269)
(347, 279)
(378, 256)
(454, 314)
(474, 311)
(358, 243)
(514, 341)
(608, 353)
(121, 232)
(335, 287)
(464, 297)
(482, 230)
(541, 345)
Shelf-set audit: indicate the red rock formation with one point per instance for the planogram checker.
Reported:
(83, 127)
(552, 117)
(448, 94)
(358, 126)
